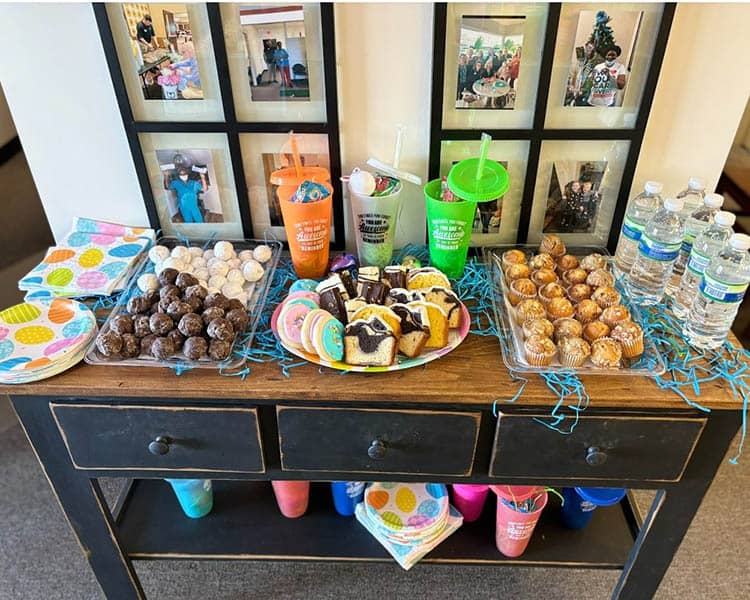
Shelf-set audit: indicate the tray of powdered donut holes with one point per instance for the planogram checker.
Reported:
(192, 304)
(372, 320)
(561, 309)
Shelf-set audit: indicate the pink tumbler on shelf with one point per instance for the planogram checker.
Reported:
(514, 527)
(292, 497)
(469, 499)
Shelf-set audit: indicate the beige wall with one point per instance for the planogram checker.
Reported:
(743, 131)
(7, 128)
(700, 97)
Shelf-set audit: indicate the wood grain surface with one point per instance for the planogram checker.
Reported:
(473, 374)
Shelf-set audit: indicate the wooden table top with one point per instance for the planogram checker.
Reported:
(473, 374)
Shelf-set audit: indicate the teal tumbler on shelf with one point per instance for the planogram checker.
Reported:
(195, 496)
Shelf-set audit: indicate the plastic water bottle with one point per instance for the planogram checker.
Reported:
(692, 196)
(721, 291)
(701, 218)
(639, 211)
(707, 245)
(657, 250)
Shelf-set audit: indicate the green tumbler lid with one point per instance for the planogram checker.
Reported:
(492, 183)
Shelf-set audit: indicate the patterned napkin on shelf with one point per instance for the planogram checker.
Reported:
(94, 259)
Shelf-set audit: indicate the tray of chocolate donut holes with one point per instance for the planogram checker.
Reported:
(561, 309)
(193, 303)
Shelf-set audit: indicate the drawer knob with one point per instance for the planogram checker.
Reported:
(376, 451)
(159, 446)
(595, 456)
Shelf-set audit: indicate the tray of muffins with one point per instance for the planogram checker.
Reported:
(372, 320)
(191, 304)
(561, 308)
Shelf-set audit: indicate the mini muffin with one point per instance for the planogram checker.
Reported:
(513, 257)
(538, 327)
(573, 351)
(606, 296)
(540, 350)
(567, 327)
(587, 311)
(560, 308)
(567, 262)
(530, 309)
(542, 261)
(593, 262)
(595, 330)
(549, 291)
(630, 337)
(574, 276)
(544, 276)
(552, 245)
(614, 315)
(606, 353)
(578, 292)
(521, 289)
(600, 278)
(519, 271)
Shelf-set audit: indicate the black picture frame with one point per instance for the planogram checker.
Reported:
(230, 126)
(538, 133)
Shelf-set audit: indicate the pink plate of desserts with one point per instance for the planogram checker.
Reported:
(455, 337)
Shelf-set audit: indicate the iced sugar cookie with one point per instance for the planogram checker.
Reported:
(290, 321)
(328, 338)
(304, 284)
(308, 326)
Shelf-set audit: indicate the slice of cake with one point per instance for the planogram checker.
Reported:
(370, 342)
(426, 277)
(448, 301)
(415, 329)
(403, 296)
(385, 313)
(438, 323)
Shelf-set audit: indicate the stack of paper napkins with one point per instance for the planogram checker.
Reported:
(94, 259)
(408, 519)
(41, 338)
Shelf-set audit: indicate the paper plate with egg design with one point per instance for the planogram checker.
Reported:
(455, 337)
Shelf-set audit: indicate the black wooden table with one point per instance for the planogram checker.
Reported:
(429, 424)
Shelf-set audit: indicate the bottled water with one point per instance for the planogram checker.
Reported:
(640, 209)
(721, 291)
(707, 245)
(657, 250)
(701, 218)
(692, 196)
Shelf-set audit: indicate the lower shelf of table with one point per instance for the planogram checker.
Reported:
(245, 524)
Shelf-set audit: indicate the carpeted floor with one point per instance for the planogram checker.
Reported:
(40, 559)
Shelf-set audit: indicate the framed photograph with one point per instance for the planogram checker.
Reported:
(602, 59)
(491, 64)
(496, 221)
(264, 153)
(192, 183)
(275, 61)
(577, 189)
(166, 58)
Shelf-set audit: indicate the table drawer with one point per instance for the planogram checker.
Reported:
(613, 447)
(377, 441)
(122, 437)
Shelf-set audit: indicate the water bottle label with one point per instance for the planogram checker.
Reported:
(698, 262)
(720, 291)
(631, 229)
(658, 250)
(687, 246)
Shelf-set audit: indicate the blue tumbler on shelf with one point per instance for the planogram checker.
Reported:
(195, 496)
(346, 496)
(580, 504)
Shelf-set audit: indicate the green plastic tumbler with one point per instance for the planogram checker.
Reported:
(449, 230)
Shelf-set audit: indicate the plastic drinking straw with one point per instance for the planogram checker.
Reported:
(295, 154)
(486, 139)
(392, 169)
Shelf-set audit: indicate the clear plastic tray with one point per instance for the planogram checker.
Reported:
(649, 364)
(256, 302)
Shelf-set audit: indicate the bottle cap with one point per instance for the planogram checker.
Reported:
(492, 183)
(724, 218)
(674, 204)
(740, 241)
(713, 200)
(653, 187)
(696, 183)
